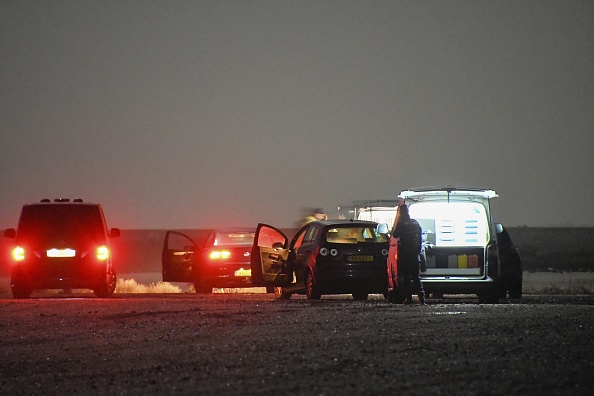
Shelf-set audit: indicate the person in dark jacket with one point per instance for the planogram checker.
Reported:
(409, 234)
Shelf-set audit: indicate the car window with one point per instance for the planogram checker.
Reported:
(311, 233)
(178, 242)
(234, 238)
(298, 240)
(269, 236)
(354, 234)
(42, 224)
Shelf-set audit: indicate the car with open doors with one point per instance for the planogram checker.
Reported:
(62, 244)
(221, 260)
(460, 252)
(324, 257)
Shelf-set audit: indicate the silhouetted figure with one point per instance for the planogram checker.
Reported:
(409, 234)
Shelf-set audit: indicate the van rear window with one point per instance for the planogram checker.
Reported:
(42, 224)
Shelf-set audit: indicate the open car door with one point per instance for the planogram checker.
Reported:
(177, 259)
(269, 257)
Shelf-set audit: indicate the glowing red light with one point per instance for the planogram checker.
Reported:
(102, 253)
(18, 253)
(220, 254)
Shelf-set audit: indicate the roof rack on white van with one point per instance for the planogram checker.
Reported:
(44, 200)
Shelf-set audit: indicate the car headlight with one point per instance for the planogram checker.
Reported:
(334, 252)
(324, 251)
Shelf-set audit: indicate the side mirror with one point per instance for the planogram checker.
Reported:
(383, 228)
(498, 228)
(114, 233)
(10, 233)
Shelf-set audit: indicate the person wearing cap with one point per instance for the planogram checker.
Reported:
(318, 214)
(409, 234)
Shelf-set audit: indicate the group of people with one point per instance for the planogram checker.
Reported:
(410, 239)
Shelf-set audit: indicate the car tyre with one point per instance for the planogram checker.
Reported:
(491, 297)
(281, 294)
(515, 289)
(360, 296)
(201, 288)
(19, 285)
(108, 286)
(311, 290)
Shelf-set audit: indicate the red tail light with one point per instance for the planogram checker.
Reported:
(219, 254)
(18, 254)
(102, 253)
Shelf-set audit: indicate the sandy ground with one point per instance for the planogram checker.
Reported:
(250, 344)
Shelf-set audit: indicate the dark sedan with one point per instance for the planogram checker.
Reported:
(324, 257)
(222, 261)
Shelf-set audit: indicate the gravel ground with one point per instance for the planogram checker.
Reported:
(251, 344)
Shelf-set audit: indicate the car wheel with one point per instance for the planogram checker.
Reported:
(108, 286)
(360, 296)
(19, 285)
(201, 288)
(515, 289)
(281, 294)
(489, 297)
(311, 290)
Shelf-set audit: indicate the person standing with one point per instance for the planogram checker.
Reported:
(318, 214)
(409, 234)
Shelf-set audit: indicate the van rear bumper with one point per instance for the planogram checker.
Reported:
(449, 285)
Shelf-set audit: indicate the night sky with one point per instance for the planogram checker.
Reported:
(197, 114)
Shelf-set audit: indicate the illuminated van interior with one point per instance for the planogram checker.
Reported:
(457, 233)
(446, 224)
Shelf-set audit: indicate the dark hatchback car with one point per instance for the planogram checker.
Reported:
(62, 245)
(221, 261)
(324, 257)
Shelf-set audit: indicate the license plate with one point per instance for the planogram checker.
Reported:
(61, 253)
(243, 272)
(360, 258)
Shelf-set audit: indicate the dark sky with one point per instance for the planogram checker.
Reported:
(192, 114)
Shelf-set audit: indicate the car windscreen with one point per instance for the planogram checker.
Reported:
(354, 234)
(378, 215)
(452, 223)
(70, 224)
(234, 239)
